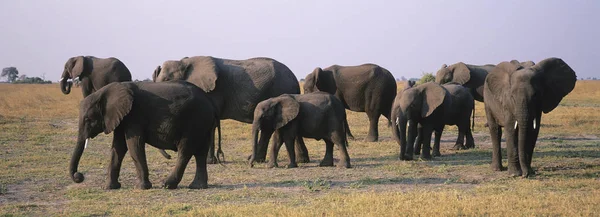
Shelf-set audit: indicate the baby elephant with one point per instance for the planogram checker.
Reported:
(316, 115)
(172, 115)
(427, 108)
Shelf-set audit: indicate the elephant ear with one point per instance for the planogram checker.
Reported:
(433, 96)
(286, 109)
(78, 67)
(324, 81)
(201, 71)
(498, 80)
(557, 78)
(156, 73)
(461, 74)
(117, 100)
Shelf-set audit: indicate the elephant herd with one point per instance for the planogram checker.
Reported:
(182, 108)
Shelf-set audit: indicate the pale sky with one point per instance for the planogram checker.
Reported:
(406, 37)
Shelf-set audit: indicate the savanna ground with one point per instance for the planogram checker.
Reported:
(38, 131)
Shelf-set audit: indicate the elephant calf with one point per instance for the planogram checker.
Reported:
(291, 116)
(172, 115)
(426, 108)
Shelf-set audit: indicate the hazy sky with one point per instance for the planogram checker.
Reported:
(406, 37)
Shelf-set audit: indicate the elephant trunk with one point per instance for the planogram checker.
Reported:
(77, 176)
(402, 122)
(65, 86)
(255, 130)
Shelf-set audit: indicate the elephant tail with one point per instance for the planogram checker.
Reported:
(219, 150)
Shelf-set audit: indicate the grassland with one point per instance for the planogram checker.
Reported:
(38, 132)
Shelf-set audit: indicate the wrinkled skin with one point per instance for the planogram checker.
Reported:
(316, 115)
(176, 115)
(470, 76)
(236, 86)
(515, 97)
(365, 88)
(95, 73)
(419, 111)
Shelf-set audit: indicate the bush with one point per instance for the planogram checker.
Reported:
(427, 77)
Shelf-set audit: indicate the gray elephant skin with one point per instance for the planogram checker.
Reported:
(94, 73)
(471, 76)
(426, 108)
(316, 115)
(365, 88)
(236, 86)
(515, 97)
(176, 116)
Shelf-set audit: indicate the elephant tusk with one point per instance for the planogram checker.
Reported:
(86, 143)
(408, 124)
(534, 123)
(76, 78)
(397, 121)
(62, 79)
(516, 123)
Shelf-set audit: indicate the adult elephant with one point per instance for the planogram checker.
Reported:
(95, 73)
(515, 97)
(173, 115)
(235, 86)
(471, 76)
(365, 88)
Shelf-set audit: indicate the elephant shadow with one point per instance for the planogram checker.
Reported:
(365, 182)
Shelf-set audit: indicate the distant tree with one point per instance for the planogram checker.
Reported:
(427, 77)
(147, 80)
(11, 73)
(23, 79)
(402, 78)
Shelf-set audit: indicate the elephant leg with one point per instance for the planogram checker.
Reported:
(373, 124)
(277, 142)
(289, 146)
(514, 168)
(183, 157)
(211, 158)
(529, 147)
(201, 177)
(470, 140)
(419, 140)
(117, 154)
(136, 147)
(87, 87)
(460, 140)
(340, 142)
(301, 151)
(436, 142)
(495, 135)
(425, 154)
(328, 158)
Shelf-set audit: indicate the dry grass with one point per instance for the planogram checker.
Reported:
(38, 125)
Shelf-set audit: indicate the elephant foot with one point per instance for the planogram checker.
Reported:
(425, 156)
(198, 185)
(111, 185)
(470, 146)
(529, 173)
(496, 167)
(436, 154)
(417, 152)
(292, 165)
(144, 185)
(458, 147)
(211, 160)
(350, 137)
(302, 159)
(514, 172)
(326, 163)
(258, 159)
(406, 157)
(344, 165)
(272, 165)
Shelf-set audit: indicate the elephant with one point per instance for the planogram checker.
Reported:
(471, 76)
(173, 115)
(516, 96)
(95, 73)
(236, 86)
(317, 115)
(427, 108)
(365, 88)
